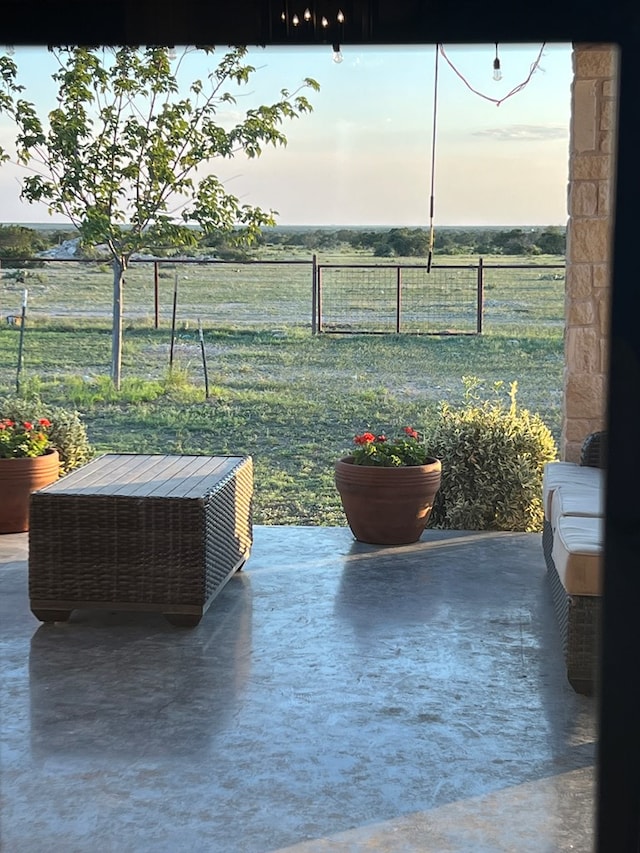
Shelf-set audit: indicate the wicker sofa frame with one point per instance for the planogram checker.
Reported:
(578, 616)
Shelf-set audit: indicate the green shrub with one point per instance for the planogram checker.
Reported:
(67, 433)
(493, 456)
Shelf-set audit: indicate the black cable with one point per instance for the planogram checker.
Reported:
(433, 163)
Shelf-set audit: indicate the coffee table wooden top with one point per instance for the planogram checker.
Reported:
(139, 475)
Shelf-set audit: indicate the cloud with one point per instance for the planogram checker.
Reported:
(524, 132)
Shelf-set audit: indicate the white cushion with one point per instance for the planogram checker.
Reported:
(556, 473)
(577, 553)
(576, 499)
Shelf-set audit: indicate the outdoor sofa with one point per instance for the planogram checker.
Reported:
(573, 496)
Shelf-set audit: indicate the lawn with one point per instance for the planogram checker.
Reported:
(290, 399)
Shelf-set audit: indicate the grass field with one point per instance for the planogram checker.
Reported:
(290, 399)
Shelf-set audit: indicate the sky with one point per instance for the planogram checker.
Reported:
(363, 156)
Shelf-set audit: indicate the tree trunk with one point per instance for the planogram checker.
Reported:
(119, 266)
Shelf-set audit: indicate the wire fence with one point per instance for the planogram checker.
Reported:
(523, 294)
(324, 298)
(382, 299)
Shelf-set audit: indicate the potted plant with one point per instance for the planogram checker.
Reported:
(387, 487)
(37, 445)
(27, 462)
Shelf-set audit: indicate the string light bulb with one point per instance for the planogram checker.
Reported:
(311, 25)
(497, 73)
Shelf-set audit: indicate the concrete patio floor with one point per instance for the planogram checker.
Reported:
(335, 697)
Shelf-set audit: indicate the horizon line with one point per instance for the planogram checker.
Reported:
(70, 227)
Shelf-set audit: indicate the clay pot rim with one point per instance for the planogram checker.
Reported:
(431, 460)
(48, 452)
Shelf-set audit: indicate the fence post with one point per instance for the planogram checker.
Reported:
(173, 320)
(319, 292)
(398, 298)
(204, 360)
(23, 321)
(314, 294)
(156, 294)
(480, 308)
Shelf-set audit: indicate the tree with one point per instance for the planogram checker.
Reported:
(16, 241)
(552, 241)
(512, 242)
(408, 242)
(121, 152)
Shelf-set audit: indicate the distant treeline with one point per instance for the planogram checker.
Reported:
(18, 241)
(414, 242)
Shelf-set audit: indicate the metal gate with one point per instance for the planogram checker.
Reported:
(383, 299)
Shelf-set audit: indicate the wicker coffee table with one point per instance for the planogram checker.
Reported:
(138, 532)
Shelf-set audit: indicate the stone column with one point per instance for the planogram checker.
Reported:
(590, 202)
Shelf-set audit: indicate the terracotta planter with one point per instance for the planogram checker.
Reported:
(387, 506)
(18, 479)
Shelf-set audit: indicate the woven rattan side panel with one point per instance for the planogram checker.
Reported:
(583, 638)
(578, 618)
(91, 548)
(594, 450)
(228, 525)
(547, 544)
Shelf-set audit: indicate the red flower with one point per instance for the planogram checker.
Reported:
(27, 425)
(365, 438)
(389, 452)
(44, 422)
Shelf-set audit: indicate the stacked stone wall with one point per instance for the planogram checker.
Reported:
(590, 202)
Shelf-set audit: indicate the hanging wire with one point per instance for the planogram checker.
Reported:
(514, 91)
(433, 164)
(496, 101)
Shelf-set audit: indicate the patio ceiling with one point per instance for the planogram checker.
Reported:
(255, 21)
